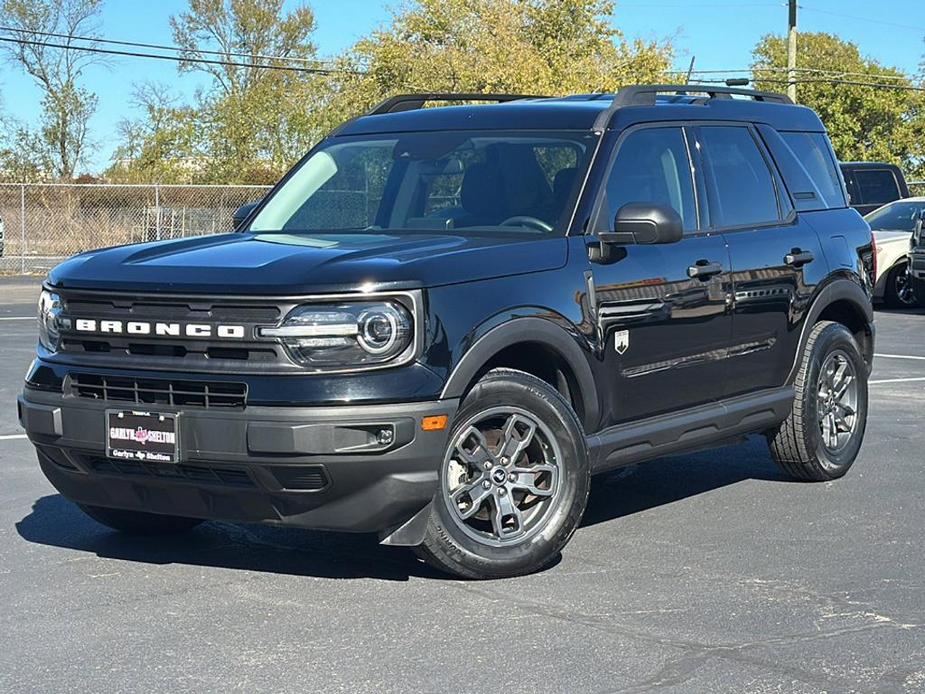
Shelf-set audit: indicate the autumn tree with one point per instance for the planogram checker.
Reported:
(885, 122)
(255, 112)
(520, 46)
(66, 106)
(161, 144)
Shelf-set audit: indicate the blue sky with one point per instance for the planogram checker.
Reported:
(720, 33)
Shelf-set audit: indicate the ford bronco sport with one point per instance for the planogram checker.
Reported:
(443, 321)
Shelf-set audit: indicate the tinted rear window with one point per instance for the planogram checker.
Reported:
(743, 183)
(813, 152)
(875, 187)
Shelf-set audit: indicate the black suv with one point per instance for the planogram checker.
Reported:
(443, 321)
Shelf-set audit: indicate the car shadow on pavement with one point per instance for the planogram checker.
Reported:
(637, 488)
(56, 522)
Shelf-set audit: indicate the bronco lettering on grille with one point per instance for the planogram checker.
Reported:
(195, 330)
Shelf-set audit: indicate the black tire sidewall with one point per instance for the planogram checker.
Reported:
(890, 296)
(834, 337)
(538, 550)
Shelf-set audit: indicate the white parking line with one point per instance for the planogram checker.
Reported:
(17, 318)
(12, 437)
(899, 356)
(896, 380)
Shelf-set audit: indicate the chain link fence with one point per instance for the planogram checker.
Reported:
(42, 224)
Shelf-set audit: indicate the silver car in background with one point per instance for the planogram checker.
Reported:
(893, 225)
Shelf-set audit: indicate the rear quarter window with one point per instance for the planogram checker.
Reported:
(813, 152)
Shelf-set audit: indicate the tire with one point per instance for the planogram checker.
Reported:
(138, 522)
(898, 290)
(546, 488)
(810, 445)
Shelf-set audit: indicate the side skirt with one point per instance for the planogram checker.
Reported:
(689, 430)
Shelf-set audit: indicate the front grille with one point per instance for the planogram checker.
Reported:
(175, 393)
(247, 354)
(229, 477)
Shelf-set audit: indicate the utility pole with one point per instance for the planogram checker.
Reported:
(690, 70)
(792, 51)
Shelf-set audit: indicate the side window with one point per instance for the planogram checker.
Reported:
(876, 186)
(744, 186)
(652, 165)
(812, 150)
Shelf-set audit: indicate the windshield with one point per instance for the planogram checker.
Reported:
(475, 182)
(898, 216)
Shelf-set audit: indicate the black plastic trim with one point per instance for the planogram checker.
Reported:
(522, 330)
(691, 429)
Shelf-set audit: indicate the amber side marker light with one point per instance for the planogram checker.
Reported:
(435, 423)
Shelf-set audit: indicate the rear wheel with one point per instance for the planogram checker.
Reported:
(138, 522)
(898, 291)
(821, 438)
(513, 482)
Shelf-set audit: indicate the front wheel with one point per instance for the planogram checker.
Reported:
(513, 482)
(898, 292)
(821, 438)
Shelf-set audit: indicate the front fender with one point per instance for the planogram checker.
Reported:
(570, 345)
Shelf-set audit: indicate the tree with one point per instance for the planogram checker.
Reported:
(162, 144)
(864, 122)
(255, 118)
(521, 46)
(66, 106)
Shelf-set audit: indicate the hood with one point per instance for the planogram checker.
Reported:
(283, 264)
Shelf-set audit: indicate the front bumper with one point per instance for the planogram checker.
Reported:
(917, 267)
(312, 467)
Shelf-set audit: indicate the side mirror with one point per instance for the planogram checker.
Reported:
(638, 223)
(644, 223)
(242, 213)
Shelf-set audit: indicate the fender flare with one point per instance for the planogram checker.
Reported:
(524, 330)
(838, 290)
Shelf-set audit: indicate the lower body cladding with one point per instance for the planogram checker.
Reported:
(364, 468)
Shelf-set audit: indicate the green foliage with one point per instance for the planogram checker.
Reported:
(518, 46)
(864, 123)
(252, 124)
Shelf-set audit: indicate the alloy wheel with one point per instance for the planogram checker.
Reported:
(837, 401)
(502, 476)
(902, 287)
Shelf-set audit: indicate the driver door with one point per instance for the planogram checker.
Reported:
(662, 310)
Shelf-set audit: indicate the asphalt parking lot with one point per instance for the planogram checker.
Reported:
(692, 573)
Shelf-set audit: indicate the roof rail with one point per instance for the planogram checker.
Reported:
(410, 102)
(645, 95)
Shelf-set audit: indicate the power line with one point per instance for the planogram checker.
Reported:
(163, 47)
(863, 19)
(177, 59)
(822, 71)
(850, 83)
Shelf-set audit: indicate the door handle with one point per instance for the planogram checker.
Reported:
(798, 258)
(704, 269)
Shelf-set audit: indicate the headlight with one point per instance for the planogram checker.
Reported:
(49, 311)
(353, 334)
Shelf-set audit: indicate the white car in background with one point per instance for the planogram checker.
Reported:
(893, 225)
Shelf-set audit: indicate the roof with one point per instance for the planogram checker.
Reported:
(582, 112)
